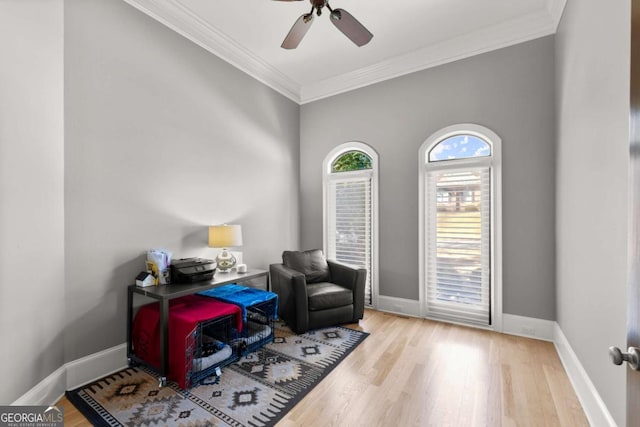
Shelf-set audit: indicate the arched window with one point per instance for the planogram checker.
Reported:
(350, 210)
(460, 260)
(462, 146)
(353, 160)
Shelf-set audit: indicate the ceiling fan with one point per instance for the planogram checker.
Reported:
(343, 20)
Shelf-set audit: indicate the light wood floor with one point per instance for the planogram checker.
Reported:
(414, 372)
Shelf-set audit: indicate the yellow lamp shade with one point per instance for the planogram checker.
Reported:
(225, 236)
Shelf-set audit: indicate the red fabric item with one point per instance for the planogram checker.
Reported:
(184, 315)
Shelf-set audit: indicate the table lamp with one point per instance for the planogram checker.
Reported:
(225, 236)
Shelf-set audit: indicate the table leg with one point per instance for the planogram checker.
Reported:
(164, 339)
(129, 324)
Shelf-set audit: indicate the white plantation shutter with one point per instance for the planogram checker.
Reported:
(349, 225)
(458, 239)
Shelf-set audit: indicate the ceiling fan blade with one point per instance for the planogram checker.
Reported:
(350, 27)
(297, 32)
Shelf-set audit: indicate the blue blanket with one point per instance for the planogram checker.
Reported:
(244, 297)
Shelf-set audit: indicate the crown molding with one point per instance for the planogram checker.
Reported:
(491, 38)
(556, 9)
(173, 14)
(182, 20)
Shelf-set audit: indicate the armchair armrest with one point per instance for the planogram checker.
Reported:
(352, 278)
(291, 287)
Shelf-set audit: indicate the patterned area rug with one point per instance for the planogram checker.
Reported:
(258, 390)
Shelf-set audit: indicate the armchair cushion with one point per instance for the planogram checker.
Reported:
(311, 263)
(324, 295)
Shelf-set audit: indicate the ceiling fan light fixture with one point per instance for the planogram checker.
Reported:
(343, 20)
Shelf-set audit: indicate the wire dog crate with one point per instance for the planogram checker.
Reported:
(208, 348)
(205, 333)
(258, 329)
(259, 310)
(201, 337)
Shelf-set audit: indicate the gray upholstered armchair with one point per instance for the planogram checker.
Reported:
(314, 292)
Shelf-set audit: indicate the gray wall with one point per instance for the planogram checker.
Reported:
(155, 127)
(32, 302)
(593, 146)
(510, 91)
(162, 140)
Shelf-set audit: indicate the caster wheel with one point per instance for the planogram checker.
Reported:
(162, 381)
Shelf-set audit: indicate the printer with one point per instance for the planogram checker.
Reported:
(190, 270)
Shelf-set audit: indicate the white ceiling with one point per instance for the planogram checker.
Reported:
(409, 35)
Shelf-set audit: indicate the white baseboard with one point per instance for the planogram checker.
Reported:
(529, 327)
(95, 366)
(511, 324)
(47, 391)
(75, 374)
(407, 307)
(592, 404)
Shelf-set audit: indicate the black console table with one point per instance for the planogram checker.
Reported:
(164, 293)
